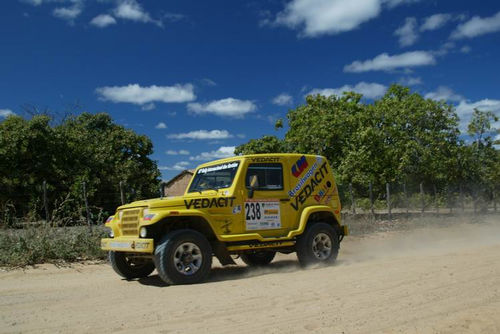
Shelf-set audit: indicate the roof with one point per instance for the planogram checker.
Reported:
(178, 176)
(240, 157)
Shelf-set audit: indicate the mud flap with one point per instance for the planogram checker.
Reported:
(222, 254)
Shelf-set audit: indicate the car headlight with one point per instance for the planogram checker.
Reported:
(143, 232)
(111, 233)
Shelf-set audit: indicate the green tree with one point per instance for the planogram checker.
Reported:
(266, 144)
(87, 147)
(483, 160)
(400, 137)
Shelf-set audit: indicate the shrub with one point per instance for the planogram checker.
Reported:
(31, 245)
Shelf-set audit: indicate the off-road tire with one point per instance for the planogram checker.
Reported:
(258, 259)
(165, 257)
(129, 268)
(308, 255)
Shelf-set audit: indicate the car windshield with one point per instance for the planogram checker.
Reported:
(214, 177)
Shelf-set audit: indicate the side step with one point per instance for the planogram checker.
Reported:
(260, 245)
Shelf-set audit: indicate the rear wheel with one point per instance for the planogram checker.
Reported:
(183, 257)
(319, 244)
(261, 258)
(129, 265)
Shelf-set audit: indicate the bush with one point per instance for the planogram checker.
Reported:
(31, 246)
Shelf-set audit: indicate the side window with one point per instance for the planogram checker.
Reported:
(269, 176)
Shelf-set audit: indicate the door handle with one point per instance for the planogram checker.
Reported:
(284, 199)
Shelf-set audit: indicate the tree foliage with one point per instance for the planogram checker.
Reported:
(401, 137)
(266, 144)
(88, 147)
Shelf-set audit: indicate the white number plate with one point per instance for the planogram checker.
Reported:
(262, 214)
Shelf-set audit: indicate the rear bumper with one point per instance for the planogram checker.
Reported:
(344, 230)
(133, 245)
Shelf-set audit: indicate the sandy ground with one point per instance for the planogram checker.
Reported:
(433, 280)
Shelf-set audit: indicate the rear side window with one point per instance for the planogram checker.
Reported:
(269, 176)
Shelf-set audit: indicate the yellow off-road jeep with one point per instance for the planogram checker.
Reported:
(252, 206)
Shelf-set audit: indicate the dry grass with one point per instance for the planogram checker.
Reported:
(29, 246)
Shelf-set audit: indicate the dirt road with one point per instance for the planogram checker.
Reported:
(442, 280)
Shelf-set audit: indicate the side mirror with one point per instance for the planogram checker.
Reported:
(254, 183)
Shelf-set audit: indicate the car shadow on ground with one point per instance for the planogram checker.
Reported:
(233, 272)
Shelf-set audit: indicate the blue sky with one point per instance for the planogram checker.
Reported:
(200, 77)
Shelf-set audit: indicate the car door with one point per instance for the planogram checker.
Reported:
(266, 210)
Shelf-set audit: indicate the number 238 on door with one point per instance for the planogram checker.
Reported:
(262, 214)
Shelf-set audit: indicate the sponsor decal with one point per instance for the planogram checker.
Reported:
(228, 165)
(208, 203)
(304, 179)
(236, 209)
(299, 166)
(310, 186)
(141, 245)
(226, 226)
(149, 217)
(265, 244)
(265, 159)
(323, 192)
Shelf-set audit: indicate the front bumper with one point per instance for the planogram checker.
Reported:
(133, 245)
(345, 230)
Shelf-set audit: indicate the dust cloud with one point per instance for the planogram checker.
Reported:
(436, 238)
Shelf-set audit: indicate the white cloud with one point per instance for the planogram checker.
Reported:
(136, 94)
(148, 107)
(328, 17)
(465, 49)
(33, 2)
(180, 152)
(369, 90)
(435, 22)
(394, 3)
(132, 10)
(444, 49)
(68, 13)
(181, 165)
(385, 62)
(220, 153)
(40, 2)
(317, 17)
(465, 109)
(444, 93)
(6, 113)
(407, 33)
(202, 135)
(103, 20)
(410, 81)
(208, 82)
(477, 26)
(226, 107)
(174, 17)
(283, 99)
(161, 125)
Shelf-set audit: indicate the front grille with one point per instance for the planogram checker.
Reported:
(130, 222)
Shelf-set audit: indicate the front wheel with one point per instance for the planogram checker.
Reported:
(257, 259)
(129, 266)
(183, 257)
(318, 245)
